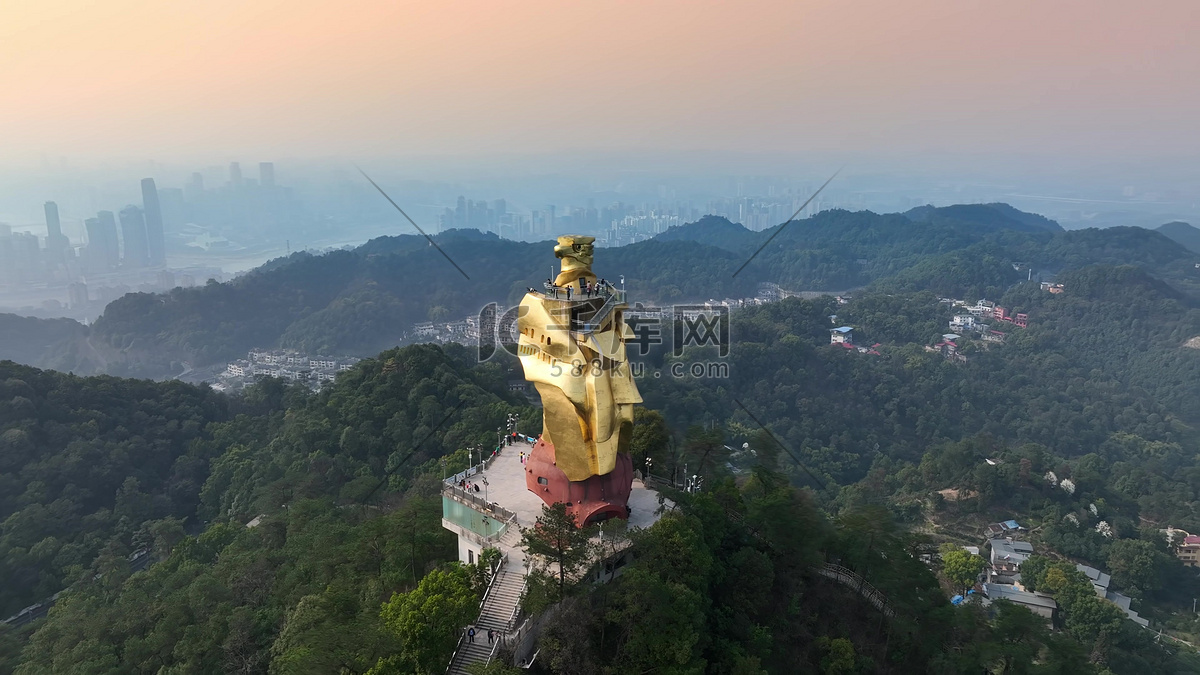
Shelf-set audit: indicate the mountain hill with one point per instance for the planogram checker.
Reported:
(995, 216)
(57, 344)
(358, 302)
(1187, 235)
(714, 231)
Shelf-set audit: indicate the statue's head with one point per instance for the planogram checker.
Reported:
(575, 251)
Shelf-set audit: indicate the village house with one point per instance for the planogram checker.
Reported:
(964, 322)
(843, 335)
(982, 308)
(1038, 603)
(1189, 551)
(1007, 555)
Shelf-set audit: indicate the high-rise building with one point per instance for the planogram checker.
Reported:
(235, 174)
(53, 226)
(56, 244)
(460, 212)
(152, 213)
(103, 249)
(266, 174)
(25, 256)
(133, 235)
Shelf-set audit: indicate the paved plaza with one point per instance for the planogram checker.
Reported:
(506, 487)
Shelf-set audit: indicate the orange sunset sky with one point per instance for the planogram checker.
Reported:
(171, 79)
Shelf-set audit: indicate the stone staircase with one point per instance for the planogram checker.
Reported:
(498, 607)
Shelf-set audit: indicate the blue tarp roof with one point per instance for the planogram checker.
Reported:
(956, 600)
(843, 329)
(1011, 524)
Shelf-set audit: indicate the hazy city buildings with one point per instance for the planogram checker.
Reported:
(156, 247)
(136, 250)
(103, 252)
(57, 246)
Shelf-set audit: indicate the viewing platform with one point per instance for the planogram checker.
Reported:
(493, 516)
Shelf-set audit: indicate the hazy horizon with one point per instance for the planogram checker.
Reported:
(1051, 108)
(202, 82)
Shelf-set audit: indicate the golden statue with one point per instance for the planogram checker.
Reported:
(572, 348)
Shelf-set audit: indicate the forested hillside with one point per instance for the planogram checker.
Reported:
(362, 301)
(87, 460)
(1098, 388)
(96, 468)
(58, 344)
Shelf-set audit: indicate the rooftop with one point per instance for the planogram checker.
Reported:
(1013, 550)
(1014, 594)
(1100, 580)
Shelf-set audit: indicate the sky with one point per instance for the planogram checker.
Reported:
(1092, 80)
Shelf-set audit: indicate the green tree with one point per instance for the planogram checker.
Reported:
(559, 541)
(1137, 566)
(429, 620)
(650, 439)
(960, 567)
(839, 657)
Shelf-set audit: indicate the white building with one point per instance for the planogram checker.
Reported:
(843, 334)
(964, 322)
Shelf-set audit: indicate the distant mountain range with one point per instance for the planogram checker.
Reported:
(1185, 234)
(362, 301)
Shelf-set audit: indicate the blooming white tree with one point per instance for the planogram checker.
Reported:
(1068, 485)
(1104, 528)
(1072, 518)
(1051, 478)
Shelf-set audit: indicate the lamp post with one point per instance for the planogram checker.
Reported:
(485, 484)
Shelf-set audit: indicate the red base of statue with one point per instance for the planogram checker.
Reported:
(591, 501)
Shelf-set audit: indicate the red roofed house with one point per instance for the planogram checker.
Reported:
(1189, 551)
(999, 313)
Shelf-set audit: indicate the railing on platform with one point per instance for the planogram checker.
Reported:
(512, 618)
(850, 578)
(472, 499)
(491, 583)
